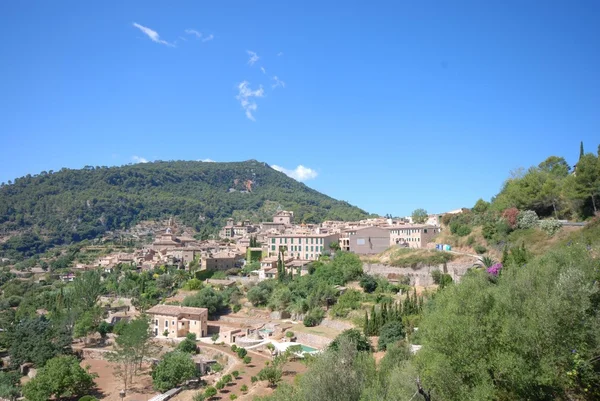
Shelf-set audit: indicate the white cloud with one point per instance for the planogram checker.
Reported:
(263, 70)
(300, 173)
(253, 57)
(153, 35)
(208, 38)
(194, 32)
(139, 159)
(279, 54)
(278, 83)
(207, 160)
(245, 95)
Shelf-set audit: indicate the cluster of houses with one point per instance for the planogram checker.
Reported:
(281, 239)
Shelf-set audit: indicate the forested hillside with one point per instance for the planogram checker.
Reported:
(70, 205)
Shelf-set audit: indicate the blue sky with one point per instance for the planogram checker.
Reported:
(388, 105)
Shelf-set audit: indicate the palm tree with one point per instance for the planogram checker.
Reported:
(487, 262)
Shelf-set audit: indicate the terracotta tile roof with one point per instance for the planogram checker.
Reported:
(174, 310)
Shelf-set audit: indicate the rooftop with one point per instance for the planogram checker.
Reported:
(174, 310)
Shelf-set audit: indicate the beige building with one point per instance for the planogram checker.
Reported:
(284, 217)
(219, 261)
(301, 246)
(412, 236)
(178, 321)
(368, 240)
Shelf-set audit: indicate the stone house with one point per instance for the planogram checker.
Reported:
(178, 321)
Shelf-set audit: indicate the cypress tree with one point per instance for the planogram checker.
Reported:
(384, 314)
(366, 328)
(580, 150)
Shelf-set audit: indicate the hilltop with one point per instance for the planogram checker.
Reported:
(53, 208)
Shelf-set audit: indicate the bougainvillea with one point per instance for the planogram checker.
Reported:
(494, 270)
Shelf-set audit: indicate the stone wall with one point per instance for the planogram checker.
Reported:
(421, 276)
(336, 324)
(312, 340)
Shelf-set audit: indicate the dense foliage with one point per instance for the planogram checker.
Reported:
(71, 205)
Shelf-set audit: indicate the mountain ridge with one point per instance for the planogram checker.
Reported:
(75, 204)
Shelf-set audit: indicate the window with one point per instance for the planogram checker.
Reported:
(291, 240)
(306, 256)
(311, 249)
(285, 240)
(173, 323)
(156, 322)
(272, 240)
(272, 247)
(425, 230)
(306, 248)
(166, 323)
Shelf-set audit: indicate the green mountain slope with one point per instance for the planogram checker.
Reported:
(71, 205)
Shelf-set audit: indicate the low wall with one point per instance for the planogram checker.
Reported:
(421, 276)
(336, 324)
(312, 340)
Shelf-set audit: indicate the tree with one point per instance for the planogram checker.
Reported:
(581, 150)
(9, 385)
(187, 345)
(87, 289)
(528, 308)
(241, 352)
(131, 347)
(247, 360)
(214, 337)
(353, 336)
(210, 392)
(271, 373)
(390, 333)
(60, 377)
(206, 298)
(481, 206)
(587, 178)
(334, 246)
(87, 323)
(419, 216)
(173, 370)
(36, 340)
(368, 283)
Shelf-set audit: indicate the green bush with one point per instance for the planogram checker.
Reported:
(480, 249)
(390, 333)
(244, 388)
(253, 379)
(470, 240)
(314, 317)
(368, 283)
(88, 398)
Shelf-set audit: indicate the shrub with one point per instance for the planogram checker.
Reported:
(88, 398)
(368, 283)
(289, 334)
(237, 308)
(470, 240)
(187, 346)
(233, 397)
(244, 388)
(253, 379)
(235, 374)
(354, 336)
(210, 392)
(390, 333)
(216, 367)
(550, 226)
(199, 396)
(314, 317)
(511, 215)
(480, 249)
(234, 347)
(174, 369)
(247, 360)
(527, 219)
(241, 352)
(220, 385)
(462, 230)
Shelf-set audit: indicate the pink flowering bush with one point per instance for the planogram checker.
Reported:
(494, 270)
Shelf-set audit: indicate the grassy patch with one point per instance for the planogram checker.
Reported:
(415, 257)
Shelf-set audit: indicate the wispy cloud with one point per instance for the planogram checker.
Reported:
(300, 173)
(207, 160)
(263, 70)
(139, 159)
(278, 83)
(153, 35)
(279, 54)
(208, 38)
(194, 33)
(253, 57)
(245, 96)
